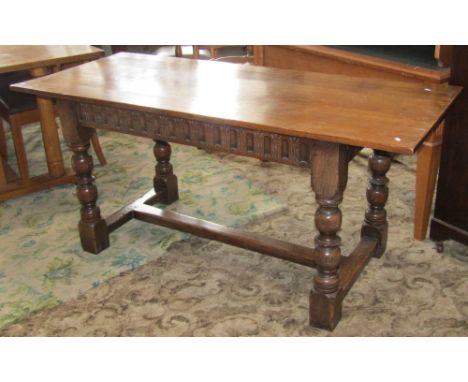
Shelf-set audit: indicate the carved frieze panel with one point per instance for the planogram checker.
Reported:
(236, 140)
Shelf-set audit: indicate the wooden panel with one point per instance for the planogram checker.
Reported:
(451, 208)
(337, 61)
(21, 57)
(247, 142)
(386, 115)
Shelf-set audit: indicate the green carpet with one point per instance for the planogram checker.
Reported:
(42, 263)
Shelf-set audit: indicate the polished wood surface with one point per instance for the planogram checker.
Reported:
(21, 57)
(392, 116)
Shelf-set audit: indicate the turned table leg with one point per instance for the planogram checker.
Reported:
(92, 227)
(329, 177)
(165, 182)
(375, 221)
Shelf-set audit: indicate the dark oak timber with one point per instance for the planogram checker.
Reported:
(165, 182)
(270, 246)
(92, 227)
(375, 222)
(303, 119)
(329, 177)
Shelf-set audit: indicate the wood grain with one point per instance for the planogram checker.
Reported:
(332, 60)
(380, 114)
(20, 57)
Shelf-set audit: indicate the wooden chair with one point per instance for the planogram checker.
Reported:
(18, 110)
(236, 59)
(197, 51)
(207, 51)
(3, 155)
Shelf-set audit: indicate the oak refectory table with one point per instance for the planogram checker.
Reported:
(314, 120)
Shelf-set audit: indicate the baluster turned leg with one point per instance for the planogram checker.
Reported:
(327, 243)
(93, 229)
(375, 221)
(165, 182)
(329, 177)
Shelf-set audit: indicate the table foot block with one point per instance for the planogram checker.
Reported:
(324, 310)
(94, 236)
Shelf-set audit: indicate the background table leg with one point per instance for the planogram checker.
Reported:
(49, 130)
(3, 178)
(428, 159)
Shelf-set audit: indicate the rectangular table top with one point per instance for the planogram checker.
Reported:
(22, 57)
(380, 114)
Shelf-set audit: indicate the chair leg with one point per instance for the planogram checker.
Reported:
(97, 148)
(214, 53)
(196, 51)
(20, 150)
(3, 178)
(3, 142)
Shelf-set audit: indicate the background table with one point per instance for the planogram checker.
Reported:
(41, 60)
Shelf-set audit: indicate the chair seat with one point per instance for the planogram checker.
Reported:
(14, 102)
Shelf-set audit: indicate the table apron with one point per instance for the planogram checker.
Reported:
(236, 140)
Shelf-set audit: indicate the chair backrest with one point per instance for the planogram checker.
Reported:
(236, 59)
(14, 102)
(214, 52)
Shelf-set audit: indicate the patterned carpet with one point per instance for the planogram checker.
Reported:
(44, 264)
(196, 287)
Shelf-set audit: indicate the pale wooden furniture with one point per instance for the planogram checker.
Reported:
(306, 119)
(325, 59)
(213, 53)
(21, 109)
(212, 49)
(40, 60)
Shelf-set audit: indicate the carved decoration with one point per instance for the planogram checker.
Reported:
(240, 141)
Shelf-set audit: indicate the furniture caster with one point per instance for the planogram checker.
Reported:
(440, 246)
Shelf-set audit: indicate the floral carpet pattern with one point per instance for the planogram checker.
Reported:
(42, 263)
(197, 287)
